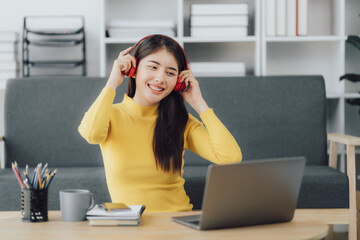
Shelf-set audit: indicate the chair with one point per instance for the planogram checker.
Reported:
(350, 142)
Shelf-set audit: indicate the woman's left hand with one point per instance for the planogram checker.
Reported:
(193, 94)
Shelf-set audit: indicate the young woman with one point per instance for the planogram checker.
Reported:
(143, 138)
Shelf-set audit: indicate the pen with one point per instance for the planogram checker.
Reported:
(39, 176)
(17, 175)
(28, 180)
(51, 178)
(34, 176)
(26, 184)
(36, 179)
(43, 170)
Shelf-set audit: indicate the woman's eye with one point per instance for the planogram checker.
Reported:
(171, 74)
(152, 67)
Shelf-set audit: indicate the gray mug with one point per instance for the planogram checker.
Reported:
(74, 203)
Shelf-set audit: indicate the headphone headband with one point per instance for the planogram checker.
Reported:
(141, 40)
(180, 86)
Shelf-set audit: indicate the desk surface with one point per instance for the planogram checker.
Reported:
(307, 224)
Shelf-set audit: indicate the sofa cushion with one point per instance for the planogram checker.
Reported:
(321, 187)
(195, 177)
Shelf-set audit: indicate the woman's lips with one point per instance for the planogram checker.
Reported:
(155, 88)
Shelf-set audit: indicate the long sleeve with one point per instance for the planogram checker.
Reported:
(213, 142)
(95, 125)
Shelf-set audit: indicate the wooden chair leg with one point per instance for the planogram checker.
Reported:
(330, 235)
(351, 172)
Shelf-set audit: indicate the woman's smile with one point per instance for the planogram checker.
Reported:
(155, 88)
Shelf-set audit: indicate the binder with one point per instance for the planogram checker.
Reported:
(302, 27)
(270, 18)
(280, 17)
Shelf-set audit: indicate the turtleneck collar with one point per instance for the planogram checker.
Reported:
(139, 110)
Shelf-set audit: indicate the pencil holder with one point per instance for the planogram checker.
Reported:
(34, 205)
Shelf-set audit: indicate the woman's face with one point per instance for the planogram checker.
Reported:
(155, 77)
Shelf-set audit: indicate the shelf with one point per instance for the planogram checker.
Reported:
(333, 95)
(186, 40)
(352, 95)
(219, 39)
(109, 40)
(306, 39)
(55, 42)
(57, 32)
(54, 64)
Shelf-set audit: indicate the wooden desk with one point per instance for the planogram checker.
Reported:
(307, 224)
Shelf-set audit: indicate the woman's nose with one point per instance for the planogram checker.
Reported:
(160, 76)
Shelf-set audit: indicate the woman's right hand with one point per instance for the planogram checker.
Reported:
(121, 65)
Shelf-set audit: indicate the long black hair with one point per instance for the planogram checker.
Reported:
(168, 140)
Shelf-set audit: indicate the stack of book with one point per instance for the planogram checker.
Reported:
(287, 17)
(219, 20)
(124, 28)
(98, 216)
(9, 65)
(218, 69)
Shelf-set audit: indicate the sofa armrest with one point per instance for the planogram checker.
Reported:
(335, 139)
(344, 139)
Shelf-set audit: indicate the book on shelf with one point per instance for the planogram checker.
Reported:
(218, 69)
(122, 28)
(8, 36)
(291, 18)
(121, 217)
(280, 17)
(287, 17)
(8, 66)
(302, 23)
(8, 47)
(240, 31)
(139, 23)
(5, 75)
(8, 56)
(214, 21)
(138, 32)
(270, 17)
(219, 9)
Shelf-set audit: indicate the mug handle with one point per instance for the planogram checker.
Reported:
(92, 201)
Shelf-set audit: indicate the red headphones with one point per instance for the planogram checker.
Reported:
(180, 86)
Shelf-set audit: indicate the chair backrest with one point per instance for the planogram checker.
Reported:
(42, 116)
(270, 117)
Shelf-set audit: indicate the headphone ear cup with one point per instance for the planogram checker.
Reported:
(132, 69)
(180, 86)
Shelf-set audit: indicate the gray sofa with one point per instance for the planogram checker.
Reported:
(268, 116)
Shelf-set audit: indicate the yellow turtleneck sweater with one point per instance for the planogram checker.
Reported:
(125, 133)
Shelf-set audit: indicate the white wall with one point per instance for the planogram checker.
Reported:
(12, 13)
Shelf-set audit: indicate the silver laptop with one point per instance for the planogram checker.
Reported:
(249, 193)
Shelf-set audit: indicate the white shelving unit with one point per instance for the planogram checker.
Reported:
(324, 51)
(197, 49)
